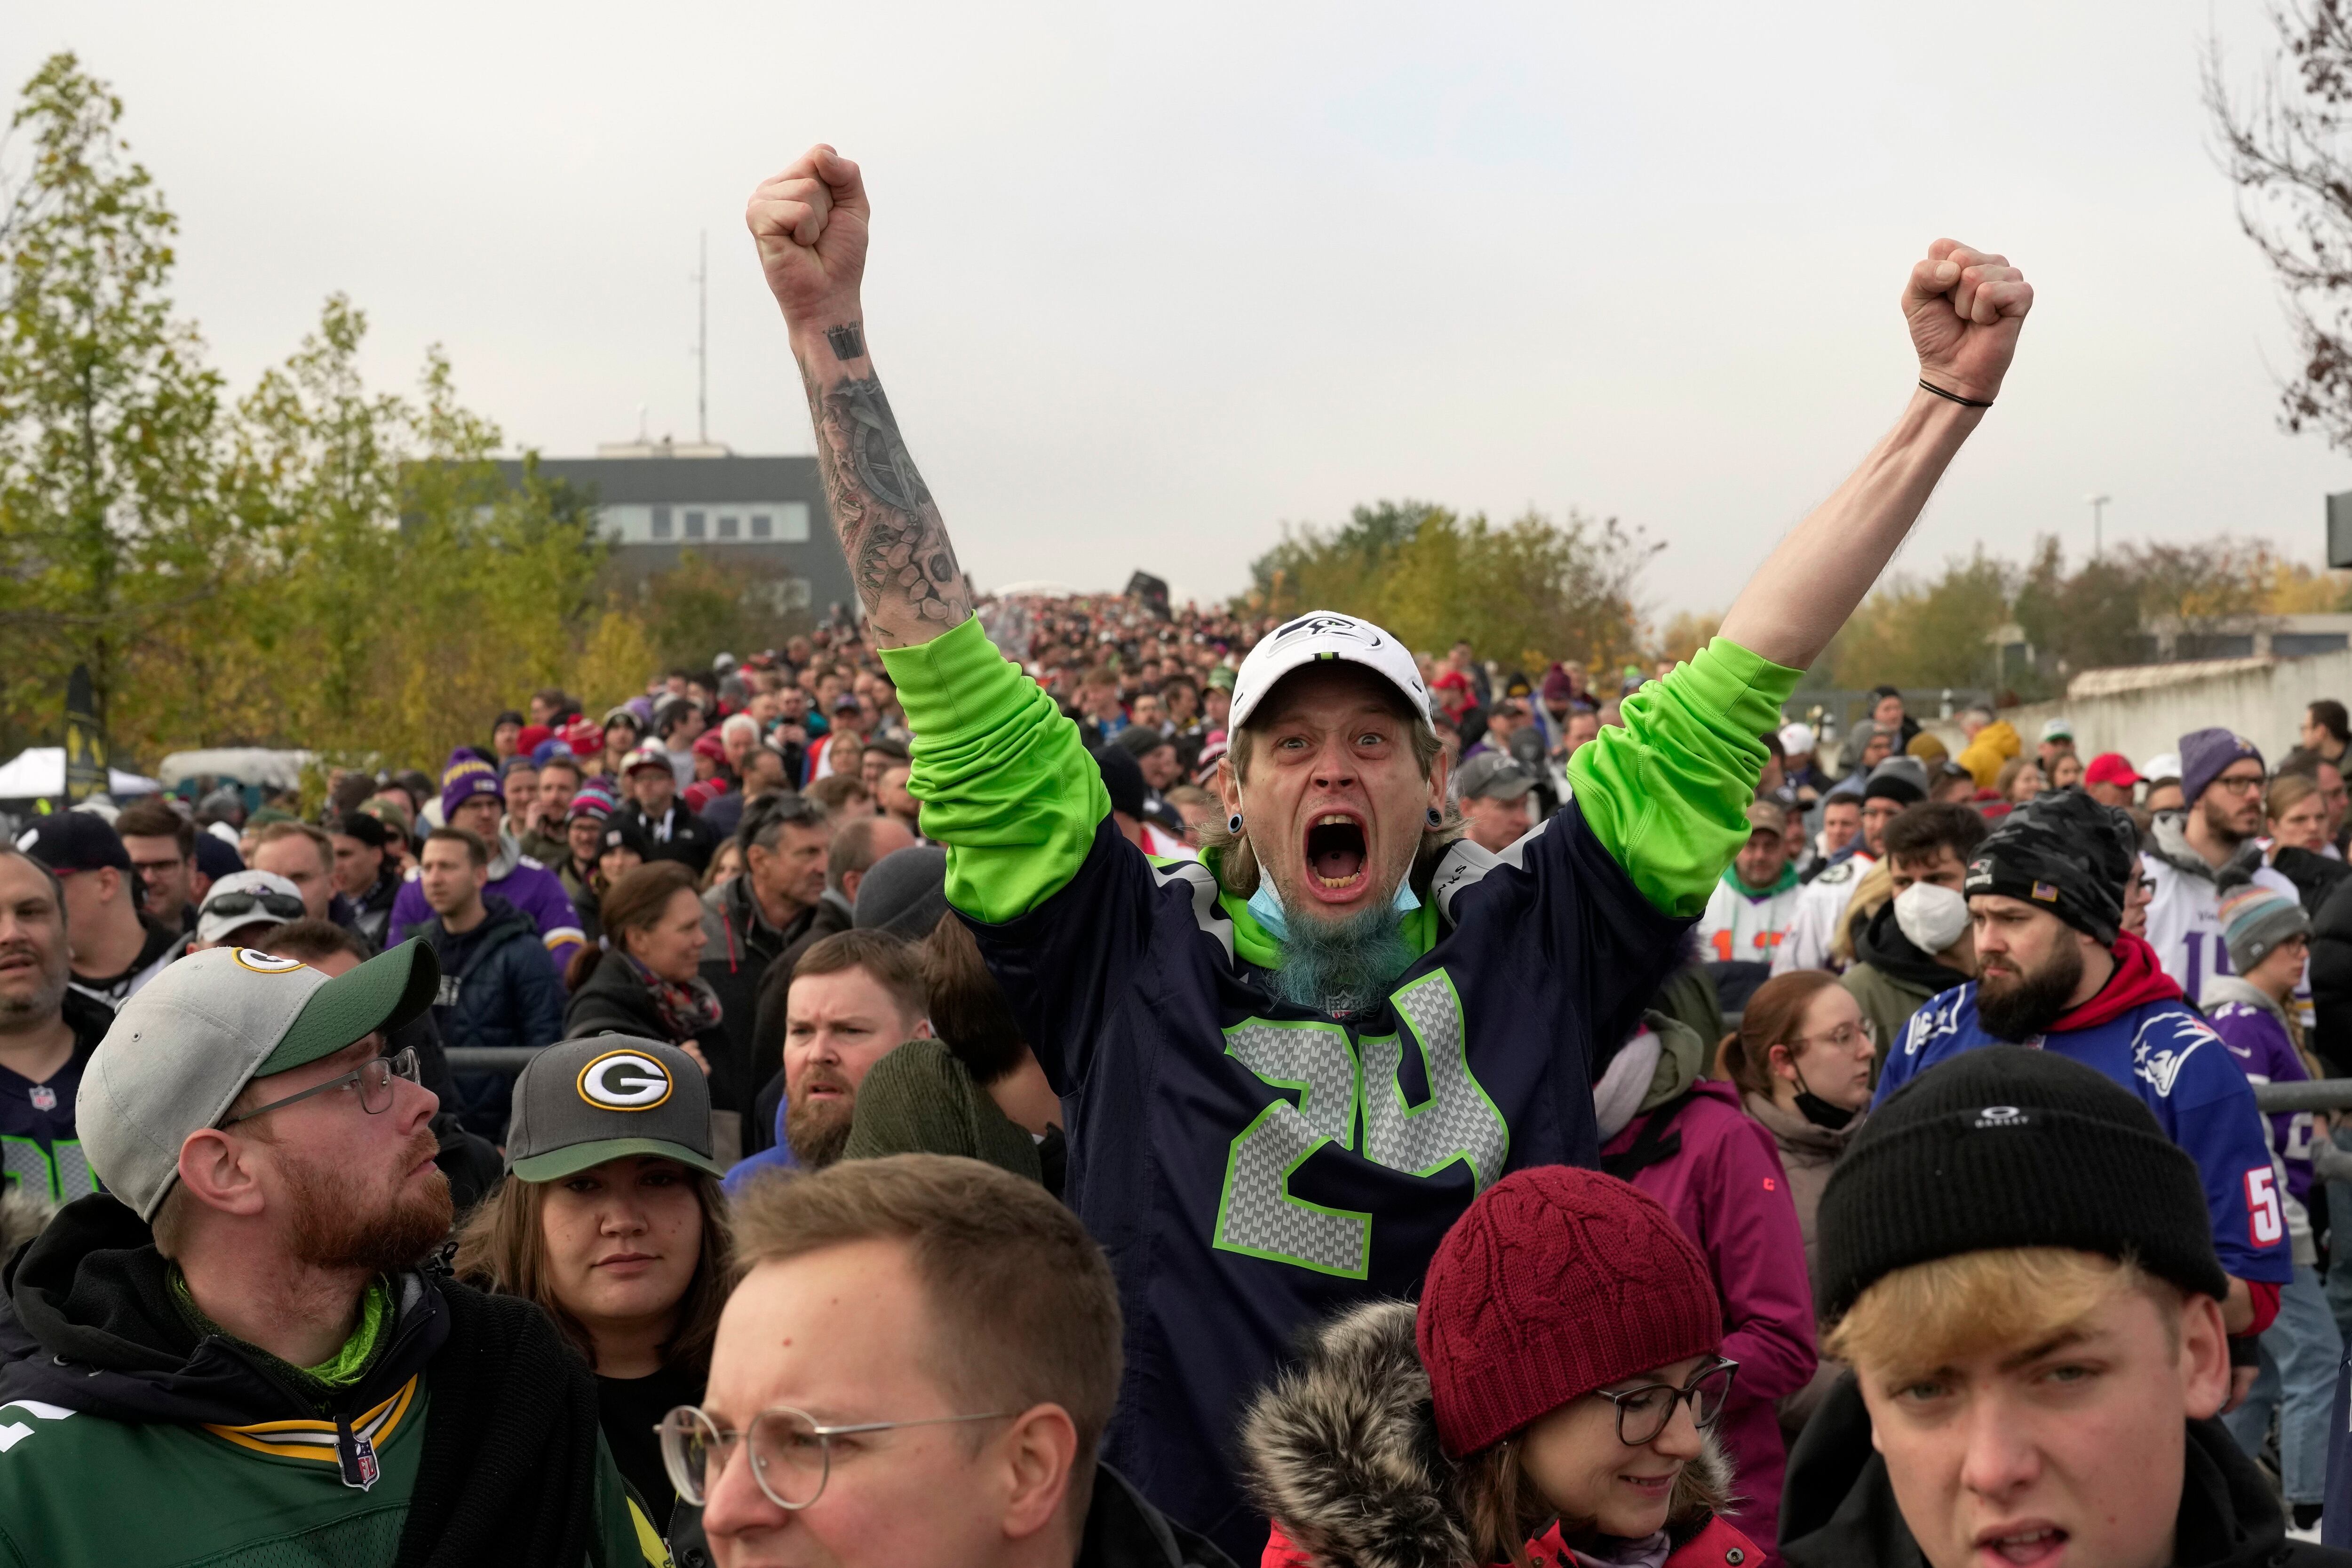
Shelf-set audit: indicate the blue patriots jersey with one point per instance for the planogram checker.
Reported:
(2166, 1053)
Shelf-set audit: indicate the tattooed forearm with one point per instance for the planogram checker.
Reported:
(890, 529)
(848, 342)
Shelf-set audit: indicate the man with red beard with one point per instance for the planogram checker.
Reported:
(231, 1349)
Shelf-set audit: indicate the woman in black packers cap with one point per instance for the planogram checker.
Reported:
(611, 1219)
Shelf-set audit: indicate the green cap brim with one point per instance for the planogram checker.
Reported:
(384, 993)
(558, 1163)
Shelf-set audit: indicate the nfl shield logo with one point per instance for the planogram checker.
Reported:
(44, 1097)
(358, 1460)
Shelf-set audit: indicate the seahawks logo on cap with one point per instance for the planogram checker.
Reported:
(262, 963)
(624, 1080)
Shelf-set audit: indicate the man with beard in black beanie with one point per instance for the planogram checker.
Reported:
(2016, 1263)
(2056, 970)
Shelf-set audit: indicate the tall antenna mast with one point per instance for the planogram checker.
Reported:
(702, 344)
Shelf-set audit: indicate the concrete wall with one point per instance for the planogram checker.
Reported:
(2144, 710)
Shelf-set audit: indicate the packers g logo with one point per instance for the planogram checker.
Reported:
(262, 963)
(624, 1080)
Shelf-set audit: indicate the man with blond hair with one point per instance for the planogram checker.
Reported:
(2016, 1263)
(1291, 1065)
(956, 1321)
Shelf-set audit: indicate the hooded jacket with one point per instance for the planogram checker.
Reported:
(1987, 748)
(1892, 977)
(1719, 1173)
(1840, 1509)
(2140, 1032)
(497, 986)
(131, 1437)
(1343, 1457)
(2184, 913)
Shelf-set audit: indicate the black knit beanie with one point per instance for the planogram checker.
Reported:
(2066, 853)
(2006, 1146)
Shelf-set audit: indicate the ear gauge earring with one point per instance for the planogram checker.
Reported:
(1234, 823)
(1436, 817)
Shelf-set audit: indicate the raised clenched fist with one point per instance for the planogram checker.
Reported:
(1965, 307)
(809, 224)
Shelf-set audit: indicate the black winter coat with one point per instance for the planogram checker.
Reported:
(737, 948)
(613, 1001)
(2331, 978)
(498, 988)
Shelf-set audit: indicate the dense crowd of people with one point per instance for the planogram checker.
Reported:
(1064, 1081)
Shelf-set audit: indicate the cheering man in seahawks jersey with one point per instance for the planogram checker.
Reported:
(1288, 1070)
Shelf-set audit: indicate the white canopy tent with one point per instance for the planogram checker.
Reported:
(248, 764)
(39, 772)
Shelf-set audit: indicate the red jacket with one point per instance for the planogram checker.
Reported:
(1718, 1545)
(1725, 1187)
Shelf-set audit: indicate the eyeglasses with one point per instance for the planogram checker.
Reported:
(1642, 1413)
(1842, 1037)
(374, 1079)
(792, 1453)
(284, 906)
(2239, 784)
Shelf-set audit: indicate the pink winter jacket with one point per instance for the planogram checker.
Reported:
(1725, 1186)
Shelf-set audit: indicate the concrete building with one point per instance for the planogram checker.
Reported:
(763, 516)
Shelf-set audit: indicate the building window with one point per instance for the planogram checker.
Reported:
(661, 523)
(729, 527)
(763, 526)
(694, 525)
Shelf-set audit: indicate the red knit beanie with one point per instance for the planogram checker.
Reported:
(1555, 1281)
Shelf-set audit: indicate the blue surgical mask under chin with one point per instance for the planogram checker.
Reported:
(1267, 905)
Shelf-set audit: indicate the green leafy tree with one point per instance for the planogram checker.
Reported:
(107, 414)
(1930, 632)
(1531, 591)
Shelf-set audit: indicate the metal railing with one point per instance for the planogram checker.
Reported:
(2316, 1094)
(507, 1059)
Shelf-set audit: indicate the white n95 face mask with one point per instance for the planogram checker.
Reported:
(1934, 917)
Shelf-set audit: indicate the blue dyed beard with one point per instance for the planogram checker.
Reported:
(1342, 967)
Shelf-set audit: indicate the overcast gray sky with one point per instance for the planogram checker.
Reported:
(1147, 282)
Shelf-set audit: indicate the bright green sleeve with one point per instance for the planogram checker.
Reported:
(1667, 795)
(1003, 780)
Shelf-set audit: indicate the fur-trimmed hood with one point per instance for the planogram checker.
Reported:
(23, 1215)
(1344, 1455)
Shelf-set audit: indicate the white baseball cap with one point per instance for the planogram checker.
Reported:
(244, 898)
(1796, 740)
(1325, 635)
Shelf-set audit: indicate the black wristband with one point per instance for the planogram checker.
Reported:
(1952, 396)
(2246, 1351)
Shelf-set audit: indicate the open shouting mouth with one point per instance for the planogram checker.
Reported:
(1337, 858)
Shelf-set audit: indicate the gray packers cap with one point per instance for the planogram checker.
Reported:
(186, 1043)
(582, 1103)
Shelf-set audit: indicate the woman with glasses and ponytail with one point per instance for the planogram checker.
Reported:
(1551, 1400)
(611, 1218)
